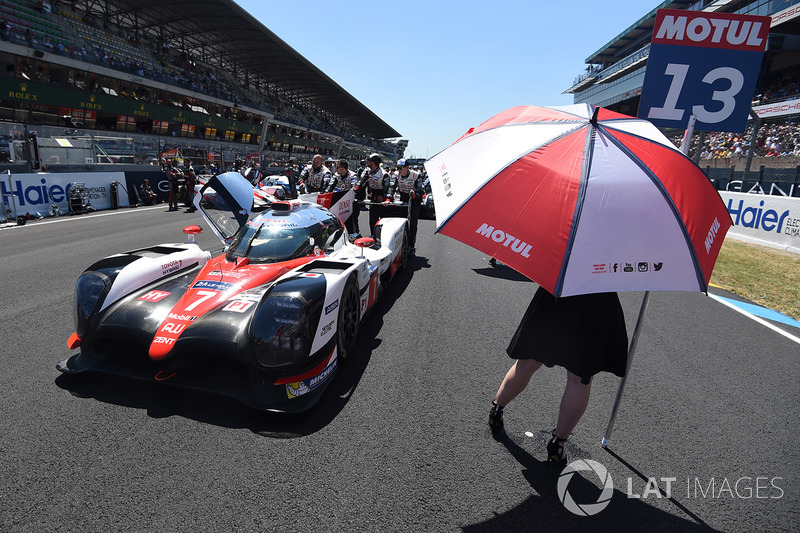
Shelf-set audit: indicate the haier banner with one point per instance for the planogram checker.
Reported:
(767, 220)
(32, 193)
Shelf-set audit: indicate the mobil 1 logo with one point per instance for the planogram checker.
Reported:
(704, 64)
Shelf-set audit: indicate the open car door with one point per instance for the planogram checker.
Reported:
(226, 203)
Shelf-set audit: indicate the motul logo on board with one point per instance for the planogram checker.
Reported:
(711, 30)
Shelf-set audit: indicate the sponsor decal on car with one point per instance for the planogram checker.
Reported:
(309, 275)
(154, 296)
(299, 388)
(326, 328)
(239, 306)
(213, 285)
(332, 307)
(172, 266)
(231, 273)
(181, 318)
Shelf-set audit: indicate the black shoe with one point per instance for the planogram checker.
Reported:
(493, 261)
(555, 451)
(496, 417)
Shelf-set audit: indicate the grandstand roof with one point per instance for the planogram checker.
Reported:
(221, 33)
(611, 51)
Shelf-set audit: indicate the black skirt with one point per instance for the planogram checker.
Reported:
(585, 334)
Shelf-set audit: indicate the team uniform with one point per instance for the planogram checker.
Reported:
(315, 180)
(377, 191)
(411, 188)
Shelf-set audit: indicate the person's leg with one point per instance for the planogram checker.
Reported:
(374, 216)
(573, 404)
(412, 237)
(516, 380)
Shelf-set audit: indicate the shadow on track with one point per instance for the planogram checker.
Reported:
(548, 513)
(161, 400)
(501, 272)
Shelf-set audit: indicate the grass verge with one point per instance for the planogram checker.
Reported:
(765, 276)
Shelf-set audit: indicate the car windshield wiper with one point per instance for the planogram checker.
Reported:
(250, 241)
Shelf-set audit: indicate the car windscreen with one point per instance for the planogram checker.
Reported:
(270, 242)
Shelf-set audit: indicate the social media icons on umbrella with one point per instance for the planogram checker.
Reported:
(627, 267)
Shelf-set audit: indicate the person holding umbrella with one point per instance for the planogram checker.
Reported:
(583, 334)
(603, 203)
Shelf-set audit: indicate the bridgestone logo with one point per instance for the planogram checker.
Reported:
(499, 236)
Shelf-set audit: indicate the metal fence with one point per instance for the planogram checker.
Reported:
(764, 180)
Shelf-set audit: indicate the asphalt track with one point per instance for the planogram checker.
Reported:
(400, 440)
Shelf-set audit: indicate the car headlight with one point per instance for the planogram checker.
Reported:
(89, 290)
(286, 321)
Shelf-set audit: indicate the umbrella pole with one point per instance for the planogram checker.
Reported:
(631, 351)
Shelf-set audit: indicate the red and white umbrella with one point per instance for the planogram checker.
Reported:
(580, 199)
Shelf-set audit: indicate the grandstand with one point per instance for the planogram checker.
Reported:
(122, 68)
(768, 153)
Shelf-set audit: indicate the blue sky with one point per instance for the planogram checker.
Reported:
(432, 69)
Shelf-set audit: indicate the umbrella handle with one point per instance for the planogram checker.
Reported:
(631, 351)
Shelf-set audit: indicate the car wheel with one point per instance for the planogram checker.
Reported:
(349, 320)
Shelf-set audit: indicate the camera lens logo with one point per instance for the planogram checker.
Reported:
(586, 509)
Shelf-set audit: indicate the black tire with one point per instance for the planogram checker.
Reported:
(349, 320)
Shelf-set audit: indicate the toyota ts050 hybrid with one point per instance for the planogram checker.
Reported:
(267, 322)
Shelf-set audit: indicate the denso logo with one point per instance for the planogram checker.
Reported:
(712, 30)
(499, 236)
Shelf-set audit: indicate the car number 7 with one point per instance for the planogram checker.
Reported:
(204, 295)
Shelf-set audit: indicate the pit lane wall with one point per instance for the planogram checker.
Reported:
(772, 221)
(37, 192)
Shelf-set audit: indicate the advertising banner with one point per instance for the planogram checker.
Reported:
(704, 64)
(772, 221)
(36, 193)
(788, 107)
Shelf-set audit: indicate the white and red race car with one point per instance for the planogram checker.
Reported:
(268, 321)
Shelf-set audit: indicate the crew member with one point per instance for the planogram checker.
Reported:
(361, 180)
(316, 176)
(411, 186)
(173, 176)
(377, 189)
(291, 176)
(147, 195)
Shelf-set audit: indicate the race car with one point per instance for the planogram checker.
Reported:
(267, 322)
